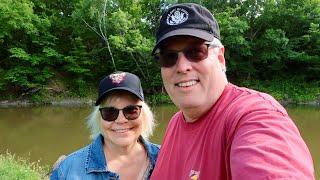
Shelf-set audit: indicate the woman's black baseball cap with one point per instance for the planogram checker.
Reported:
(119, 81)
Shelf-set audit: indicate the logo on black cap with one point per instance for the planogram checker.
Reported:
(177, 16)
(187, 19)
(117, 77)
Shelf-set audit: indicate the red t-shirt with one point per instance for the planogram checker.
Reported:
(245, 135)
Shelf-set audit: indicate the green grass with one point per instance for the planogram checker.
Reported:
(15, 168)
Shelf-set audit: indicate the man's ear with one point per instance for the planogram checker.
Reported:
(221, 56)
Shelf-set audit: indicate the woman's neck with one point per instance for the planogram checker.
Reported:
(113, 150)
(129, 162)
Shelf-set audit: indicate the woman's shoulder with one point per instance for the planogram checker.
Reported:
(75, 160)
(78, 154)
(75, 157)
(154, 146)
(149, 146)
(83, 153)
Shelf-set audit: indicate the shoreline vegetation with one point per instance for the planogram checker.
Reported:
(152, 100)
(13, 167)
(286, 92)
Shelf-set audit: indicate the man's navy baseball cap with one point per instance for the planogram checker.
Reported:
(187, 19)
(119, 81)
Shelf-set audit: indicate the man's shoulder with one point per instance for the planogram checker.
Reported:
(177, 116)
(245, 91)
(250, 99)
(175, 119)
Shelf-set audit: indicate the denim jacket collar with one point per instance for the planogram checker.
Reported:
(96, 161)
(152, 155)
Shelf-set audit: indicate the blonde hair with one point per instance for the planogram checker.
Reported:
(148, 122)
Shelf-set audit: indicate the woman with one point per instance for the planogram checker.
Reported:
(120, 126)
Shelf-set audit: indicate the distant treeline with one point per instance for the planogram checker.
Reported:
(68, 45)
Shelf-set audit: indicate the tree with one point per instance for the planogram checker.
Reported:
(27, 50)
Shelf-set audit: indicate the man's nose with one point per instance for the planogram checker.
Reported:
(183, 64)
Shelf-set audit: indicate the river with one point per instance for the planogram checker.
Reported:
(43, 133)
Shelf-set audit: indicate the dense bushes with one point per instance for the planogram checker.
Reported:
(75, 42)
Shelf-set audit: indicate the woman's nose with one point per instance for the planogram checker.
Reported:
(121, 118)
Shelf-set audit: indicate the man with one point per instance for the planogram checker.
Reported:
(222, 131)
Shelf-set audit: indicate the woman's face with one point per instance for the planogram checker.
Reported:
(121, 132)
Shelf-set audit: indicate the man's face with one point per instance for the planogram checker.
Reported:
(194, 86)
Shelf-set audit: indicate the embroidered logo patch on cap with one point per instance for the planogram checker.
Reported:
(117, 77)
(187, 19)
(119, 80)
(177, 16)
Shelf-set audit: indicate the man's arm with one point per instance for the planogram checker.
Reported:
(268, 145)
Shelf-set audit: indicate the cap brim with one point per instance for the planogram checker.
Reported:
(117, 88)
(185, 32)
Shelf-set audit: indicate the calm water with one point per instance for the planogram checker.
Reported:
(44, 133)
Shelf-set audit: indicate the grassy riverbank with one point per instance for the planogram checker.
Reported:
(16, 168)
(288, 91)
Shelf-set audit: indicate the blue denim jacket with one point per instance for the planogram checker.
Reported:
(90, 162)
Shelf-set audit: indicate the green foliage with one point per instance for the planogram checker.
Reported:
(79, 41)
(287, 90)
(281, 39)
(81, 87)
(15, 168)
(17, 15)
(122, 28)
(160, 98)
(271, 48)
(233, 30)
(78, 62)
(25, 43)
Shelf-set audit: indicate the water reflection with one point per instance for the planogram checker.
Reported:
(162, 115)
(46, 132)
(42, 132)
(307, 119)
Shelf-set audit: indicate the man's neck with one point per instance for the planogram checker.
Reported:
(194, 113)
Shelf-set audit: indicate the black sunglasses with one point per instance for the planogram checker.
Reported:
(194, 53)
(130, 112)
